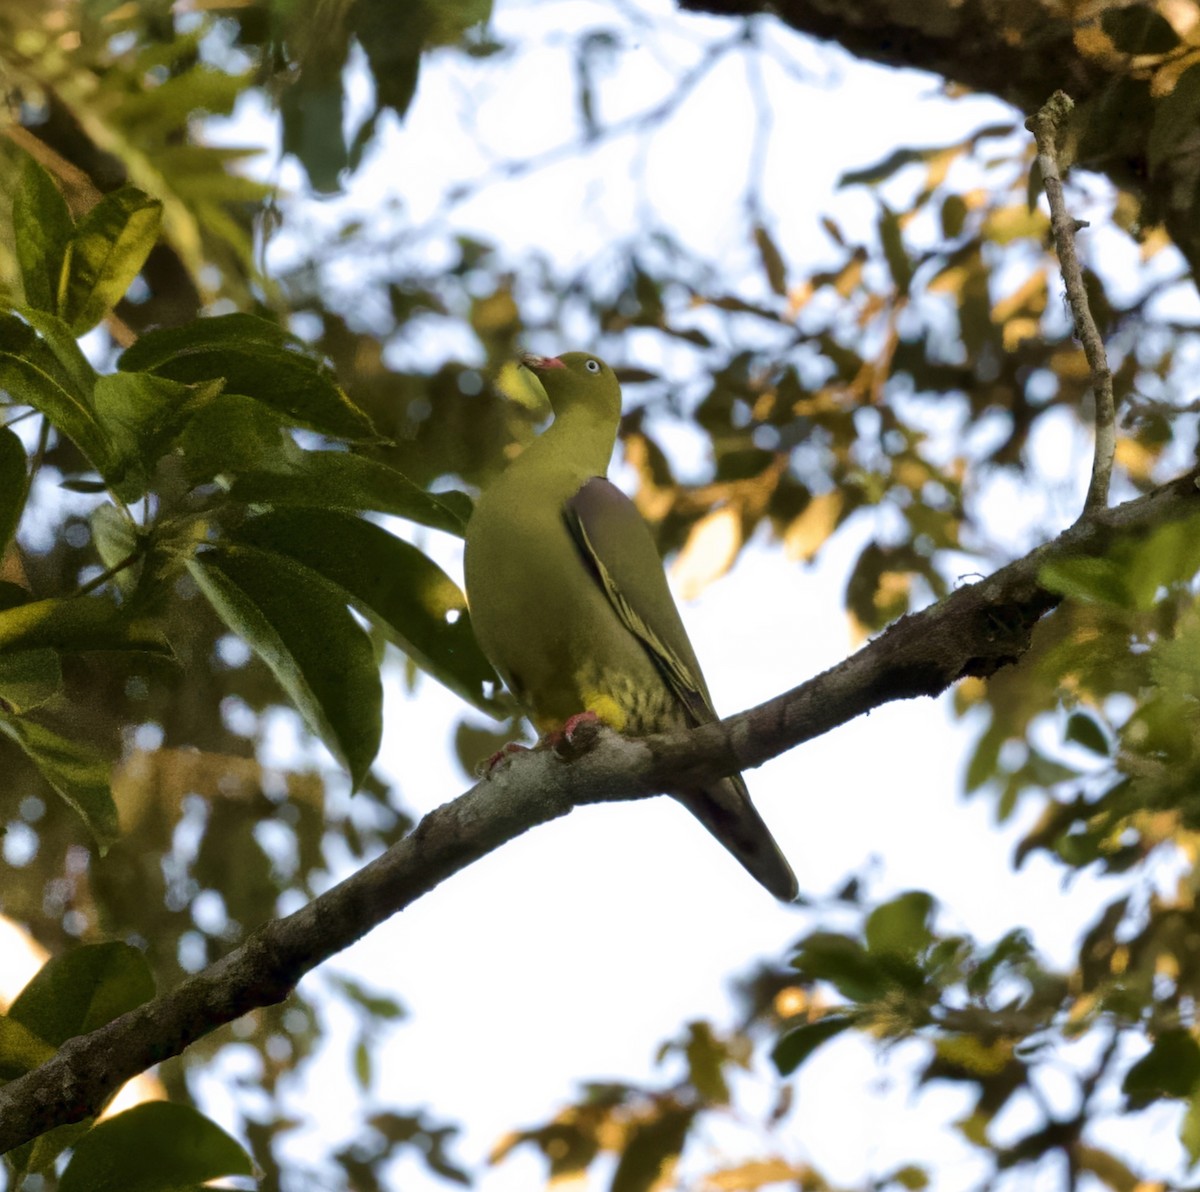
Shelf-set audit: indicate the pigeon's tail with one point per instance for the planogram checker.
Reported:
(726, 811)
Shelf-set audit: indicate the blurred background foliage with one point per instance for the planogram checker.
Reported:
(900, 385)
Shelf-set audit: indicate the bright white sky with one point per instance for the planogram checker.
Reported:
(572, 953)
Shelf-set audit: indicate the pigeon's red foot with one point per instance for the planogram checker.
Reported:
(502, 755)
(570, 730)
(577, 733)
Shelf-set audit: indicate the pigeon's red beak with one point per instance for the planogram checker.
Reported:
(540, 363)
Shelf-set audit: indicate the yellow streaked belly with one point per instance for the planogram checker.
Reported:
(607, 709)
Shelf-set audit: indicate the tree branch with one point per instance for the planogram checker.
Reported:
(1010, 50)
(1047, 126)
(975, 631)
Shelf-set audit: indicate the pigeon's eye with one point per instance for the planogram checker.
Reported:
(593, 366)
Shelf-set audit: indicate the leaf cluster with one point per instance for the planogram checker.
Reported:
(218, 454)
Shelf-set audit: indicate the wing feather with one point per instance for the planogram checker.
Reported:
(616, 546)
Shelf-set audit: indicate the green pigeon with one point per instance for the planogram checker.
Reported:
(569, 601)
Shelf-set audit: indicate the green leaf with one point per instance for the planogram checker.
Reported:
(1139, 30)
(1171, 1068)
(419, 608)
(64, 346)
(1175, 118)
(1011, 951)
(153, 1147)
(76, 624)
(233, 434)
(70, 995)
(82, 989)
(115, 538)
(881, 170)
(21, 1050)
(970, 1057)
(259, 359)
(797, 1045)
(1174, 663)
(78, 774)
(910, 1176)
(12, 595)
(707, 1056)
(363, 1073)
(392, 38)
(650, 1155)
(42, 232)
(844, 963)
(143, 414)
(892, 240)
(985, 759)
(298, 623)
(342, 480)
(110, 246)
(1096, 581)
(28, 678)
(901, 926)
(14, 480)
(175, 100)
(954, 216)
(312, 119)
(1168, 556)
(1189, 1130)
(376, 1005)
(1134, 574)
(473, 743)
(34, 374)
(1085, 730)
(771, 260)
(39, 1153)
(80, 484)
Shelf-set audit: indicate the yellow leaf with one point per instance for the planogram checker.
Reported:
(911, 473)
(1092, 42)
(757, 1173)
(808, 532)
(1017, 331)
(949, 281)
(1070, 364)
(1155, 241)
(971, 1053)
(1137, 459)
(1163, 81)
(1016, 222)
(1029, 297)
(858, 631)
(709, 552)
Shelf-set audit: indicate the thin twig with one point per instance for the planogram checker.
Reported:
(1046, 126)
(511, 169)
(39, 457)
(108, 573)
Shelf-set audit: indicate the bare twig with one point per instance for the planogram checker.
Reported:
(511, 169)
(976, 630)
(1046, 126)
(98, 581)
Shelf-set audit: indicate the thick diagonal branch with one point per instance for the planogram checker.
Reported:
(975, 631)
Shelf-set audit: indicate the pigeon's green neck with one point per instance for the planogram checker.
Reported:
(584, 435)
